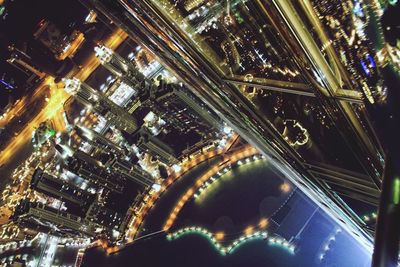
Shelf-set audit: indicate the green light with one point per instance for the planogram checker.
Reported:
(396, 191)
(2, 9)
(50, 133)
(239, 17)
(225, 249)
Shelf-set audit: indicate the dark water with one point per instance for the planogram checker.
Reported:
(240, 198)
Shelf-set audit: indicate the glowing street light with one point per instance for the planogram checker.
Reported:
(176, 168)
(249, 230)
(263, 223)
(219, 235)
(285, 187)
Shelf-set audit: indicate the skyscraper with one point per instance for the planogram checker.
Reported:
(59, 189)
(300, 76)
(155, 147)
(101, 104)
(88, 168)
(117, 162)
(175, 95)
(132, 172)
(157, 96)
(23, 62)
(43, 218)
(120, 67)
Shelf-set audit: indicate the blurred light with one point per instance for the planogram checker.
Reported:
(219, 235)
(285, 187)
(249, 230)
(227, 129)
(263, 222)
(156, 187)
(176, 168)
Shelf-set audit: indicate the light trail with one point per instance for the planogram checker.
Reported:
(233, 157)
(184, 168)
(54, 107)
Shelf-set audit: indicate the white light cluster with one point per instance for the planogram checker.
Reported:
(235, 244)
(281, 242)
(224, 250)
(214, 178)
(250, 159)
(327, 243)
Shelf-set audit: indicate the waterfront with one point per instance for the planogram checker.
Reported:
(240, 198)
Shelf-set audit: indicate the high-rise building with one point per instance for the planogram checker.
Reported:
(164, 96)
(120, 67)
(130, 81)
(43, 218)
(50, 36)
(156, 147)
(60, 189)
(105, 217)
(123, 93)
(23, 62)
(101, 104)
(98, 140)
(117, 162)
(60, 44)
(88, 168)
(132, 172)
(175, 95)
(301, 77)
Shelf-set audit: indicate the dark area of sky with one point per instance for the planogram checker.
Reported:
(17, 26)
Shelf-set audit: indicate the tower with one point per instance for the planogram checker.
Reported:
(132, 172)
(118, 162)
(156, 147)
(89, 169)
(43, 218)
(62, 190)
(20, 60)
(120, 67)
(101, 104)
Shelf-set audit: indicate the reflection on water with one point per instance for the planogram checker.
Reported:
(241, 198)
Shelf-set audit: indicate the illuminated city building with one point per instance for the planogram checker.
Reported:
(180, 108)
(38, 216)
(50, 36)
(192, 4)
(60, 44)
(302, 80)
(132, 171)
(98, 140)
(120, 67)
(79, 206)
(117, 159)
(59, 189)
(23, 62)
(157, 148)
(101, 104)
(88, 168)
(181, 97)
(168, 97)
(122, 93)
(105, 217)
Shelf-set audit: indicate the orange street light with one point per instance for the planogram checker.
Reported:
(263, 223)
(249, 230)
(219, 235)
(285, 187)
